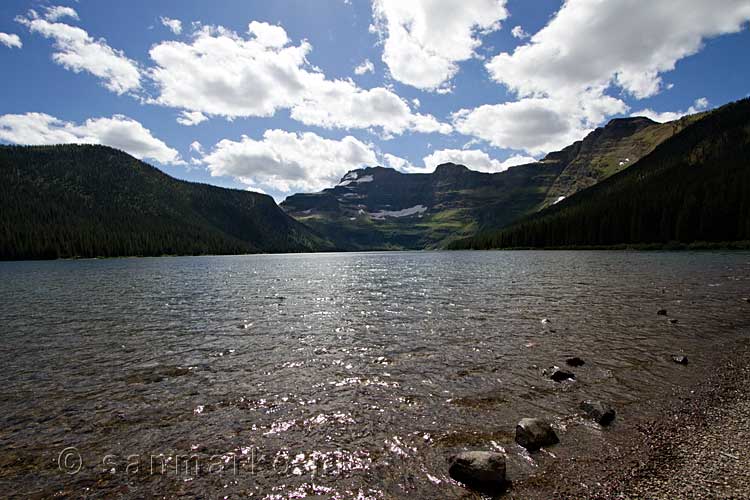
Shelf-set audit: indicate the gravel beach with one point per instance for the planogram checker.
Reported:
(697, 447)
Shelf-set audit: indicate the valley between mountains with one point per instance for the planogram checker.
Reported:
(631, 182)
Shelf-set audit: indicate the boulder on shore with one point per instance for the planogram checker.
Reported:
(680, 359)
(480, 470)
(535, 433)
(599, 412)
(559, 375)
(575, 361)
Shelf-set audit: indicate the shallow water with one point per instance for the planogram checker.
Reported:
(338, 375)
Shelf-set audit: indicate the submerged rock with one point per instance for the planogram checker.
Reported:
(559, 375)
(661, 312)
(680, 359)
(599, 412)
(575, 361)
(673, 321)
(480, 470)
(535, 433)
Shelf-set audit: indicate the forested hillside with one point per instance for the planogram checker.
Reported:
(694, 187)
(92, 201)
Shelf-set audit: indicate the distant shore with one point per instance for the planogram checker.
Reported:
(697, 447)
(645, 247)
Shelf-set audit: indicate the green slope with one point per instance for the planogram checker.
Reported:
(89, 201)
(380, 208)
(694, 187)
(373, 208)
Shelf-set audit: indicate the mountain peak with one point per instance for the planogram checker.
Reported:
(637, 121)
(450, 168)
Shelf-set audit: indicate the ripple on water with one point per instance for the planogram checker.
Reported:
(360, 373)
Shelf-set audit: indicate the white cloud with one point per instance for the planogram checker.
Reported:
(268, 35)
(286, 161)
(118, 132)
(10, 40)
(341, 104)
(57, 12)
(699, 105)
(537, 125)
(560, 76)
(472, 158)
(398, 163)
(365, 67)
(197, 147)
(423, 40)
(518, 32)
(590, 44)
(174, 25)
(77, 51)
(190, 118)
(222, 73)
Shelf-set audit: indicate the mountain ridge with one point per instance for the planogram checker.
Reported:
(343, 213)
(96, 201)
(693, 187)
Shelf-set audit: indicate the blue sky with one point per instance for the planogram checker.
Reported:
(488, 83)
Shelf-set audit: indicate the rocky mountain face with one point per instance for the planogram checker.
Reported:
(381, 208)
(692, 189)
(608, 150)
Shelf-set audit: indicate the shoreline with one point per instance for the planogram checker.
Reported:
(742, 246)
(696, 446)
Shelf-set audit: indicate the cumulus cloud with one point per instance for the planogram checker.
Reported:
(518, 32)
(423, 40)
(472, 158)
(10, 40)
(77, 51)
(341, 104)
(699, 105)
(537, 125)
(288, 161)
(590, 44)
(222, 73)
(562, 74)
(174, 25)
(118, 132)
(196, 146)
(190, 118)
(57, 12)
(475, 159)
(365, 67)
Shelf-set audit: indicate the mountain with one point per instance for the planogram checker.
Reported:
(90, 201)
(608, 150)
(380, 208)
(694, 187)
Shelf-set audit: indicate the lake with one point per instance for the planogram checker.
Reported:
(350, 375)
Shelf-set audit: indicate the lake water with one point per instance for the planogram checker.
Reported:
(338, 375)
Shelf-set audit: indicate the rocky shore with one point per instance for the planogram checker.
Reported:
(697, 446)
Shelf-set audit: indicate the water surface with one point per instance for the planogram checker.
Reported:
(338, 375)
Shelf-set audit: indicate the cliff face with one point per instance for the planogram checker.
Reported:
(608, 150)
(381, 208)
